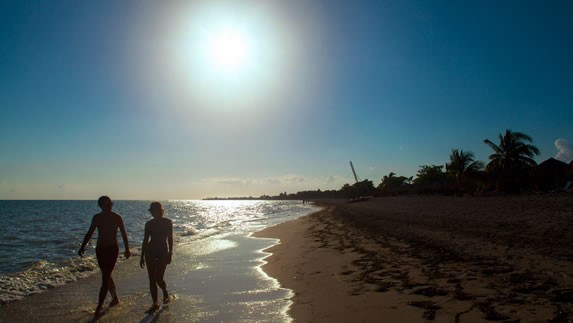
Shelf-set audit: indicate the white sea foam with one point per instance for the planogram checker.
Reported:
(23, 274)
(44, 275)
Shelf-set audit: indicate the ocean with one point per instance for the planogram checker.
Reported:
(39, 242)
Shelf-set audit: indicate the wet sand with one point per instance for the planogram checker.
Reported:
(426, 258)
(212, 280)
(395, 259)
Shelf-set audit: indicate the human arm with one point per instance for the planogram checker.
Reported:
(87, 237)
(170, 241)
(124, 237)
(144, 246)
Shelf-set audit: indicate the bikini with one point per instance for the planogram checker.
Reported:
(107, 256)
(157, 253)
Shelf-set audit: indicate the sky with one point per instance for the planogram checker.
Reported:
(192, 99)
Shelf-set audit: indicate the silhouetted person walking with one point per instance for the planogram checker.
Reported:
(107, 250)
(156, 251)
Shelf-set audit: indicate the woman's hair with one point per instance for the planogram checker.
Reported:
(156, 205)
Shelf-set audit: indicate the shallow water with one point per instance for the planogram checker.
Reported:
(222, 280)
(39, 239)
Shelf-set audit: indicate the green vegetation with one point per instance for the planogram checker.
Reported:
(393, 185)
(462, 165)
(512, 153)
(511, 169)
(511, 161)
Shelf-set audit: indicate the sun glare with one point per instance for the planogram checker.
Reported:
(229, 49)
(229, 56)
(225, 50)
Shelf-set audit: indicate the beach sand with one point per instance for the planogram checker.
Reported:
(212, 280)
(392, 259)
(428, 258)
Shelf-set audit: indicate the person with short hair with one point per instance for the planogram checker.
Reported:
(107, 250)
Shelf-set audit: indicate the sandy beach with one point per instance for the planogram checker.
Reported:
(417, 259)
(212, 280)
(392, 259)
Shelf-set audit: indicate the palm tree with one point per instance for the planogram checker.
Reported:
(388, 179)
(512, 155)
(462, 163)
(392, 182)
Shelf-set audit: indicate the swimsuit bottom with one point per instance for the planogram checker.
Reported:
(107, 256)
(156, 254)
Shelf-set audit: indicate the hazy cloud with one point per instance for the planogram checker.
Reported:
(336, 179)
(289, 182)
(273, 181)
(285, 179)
(293, 179)
(227, 181)
(565, 150)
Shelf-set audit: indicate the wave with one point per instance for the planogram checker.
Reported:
(193, 221)
(43, 275)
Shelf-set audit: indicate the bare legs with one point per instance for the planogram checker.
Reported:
(106, 258)
(111, 287)
(155, 271)
(107, 284)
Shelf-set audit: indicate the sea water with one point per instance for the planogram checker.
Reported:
(39, 239)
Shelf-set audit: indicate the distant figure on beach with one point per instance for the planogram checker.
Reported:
(107, 250)
(156, 251)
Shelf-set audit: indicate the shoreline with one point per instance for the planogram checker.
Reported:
(426, 258)
(202, 257)
(76, 300)
(321, 276)
(395, 259)
(210, 280)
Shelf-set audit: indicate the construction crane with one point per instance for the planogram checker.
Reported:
(354, 172)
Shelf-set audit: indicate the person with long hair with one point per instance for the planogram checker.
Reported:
(157, 251)
(107, 250)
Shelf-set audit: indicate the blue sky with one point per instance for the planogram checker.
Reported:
(112, 97)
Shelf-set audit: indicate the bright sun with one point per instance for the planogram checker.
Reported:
(231, 56)
(229, 49)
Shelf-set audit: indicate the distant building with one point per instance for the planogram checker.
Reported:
(550, 175)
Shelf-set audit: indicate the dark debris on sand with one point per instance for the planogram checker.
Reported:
(457, 250)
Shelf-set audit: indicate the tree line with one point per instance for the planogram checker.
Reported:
(511, 169)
